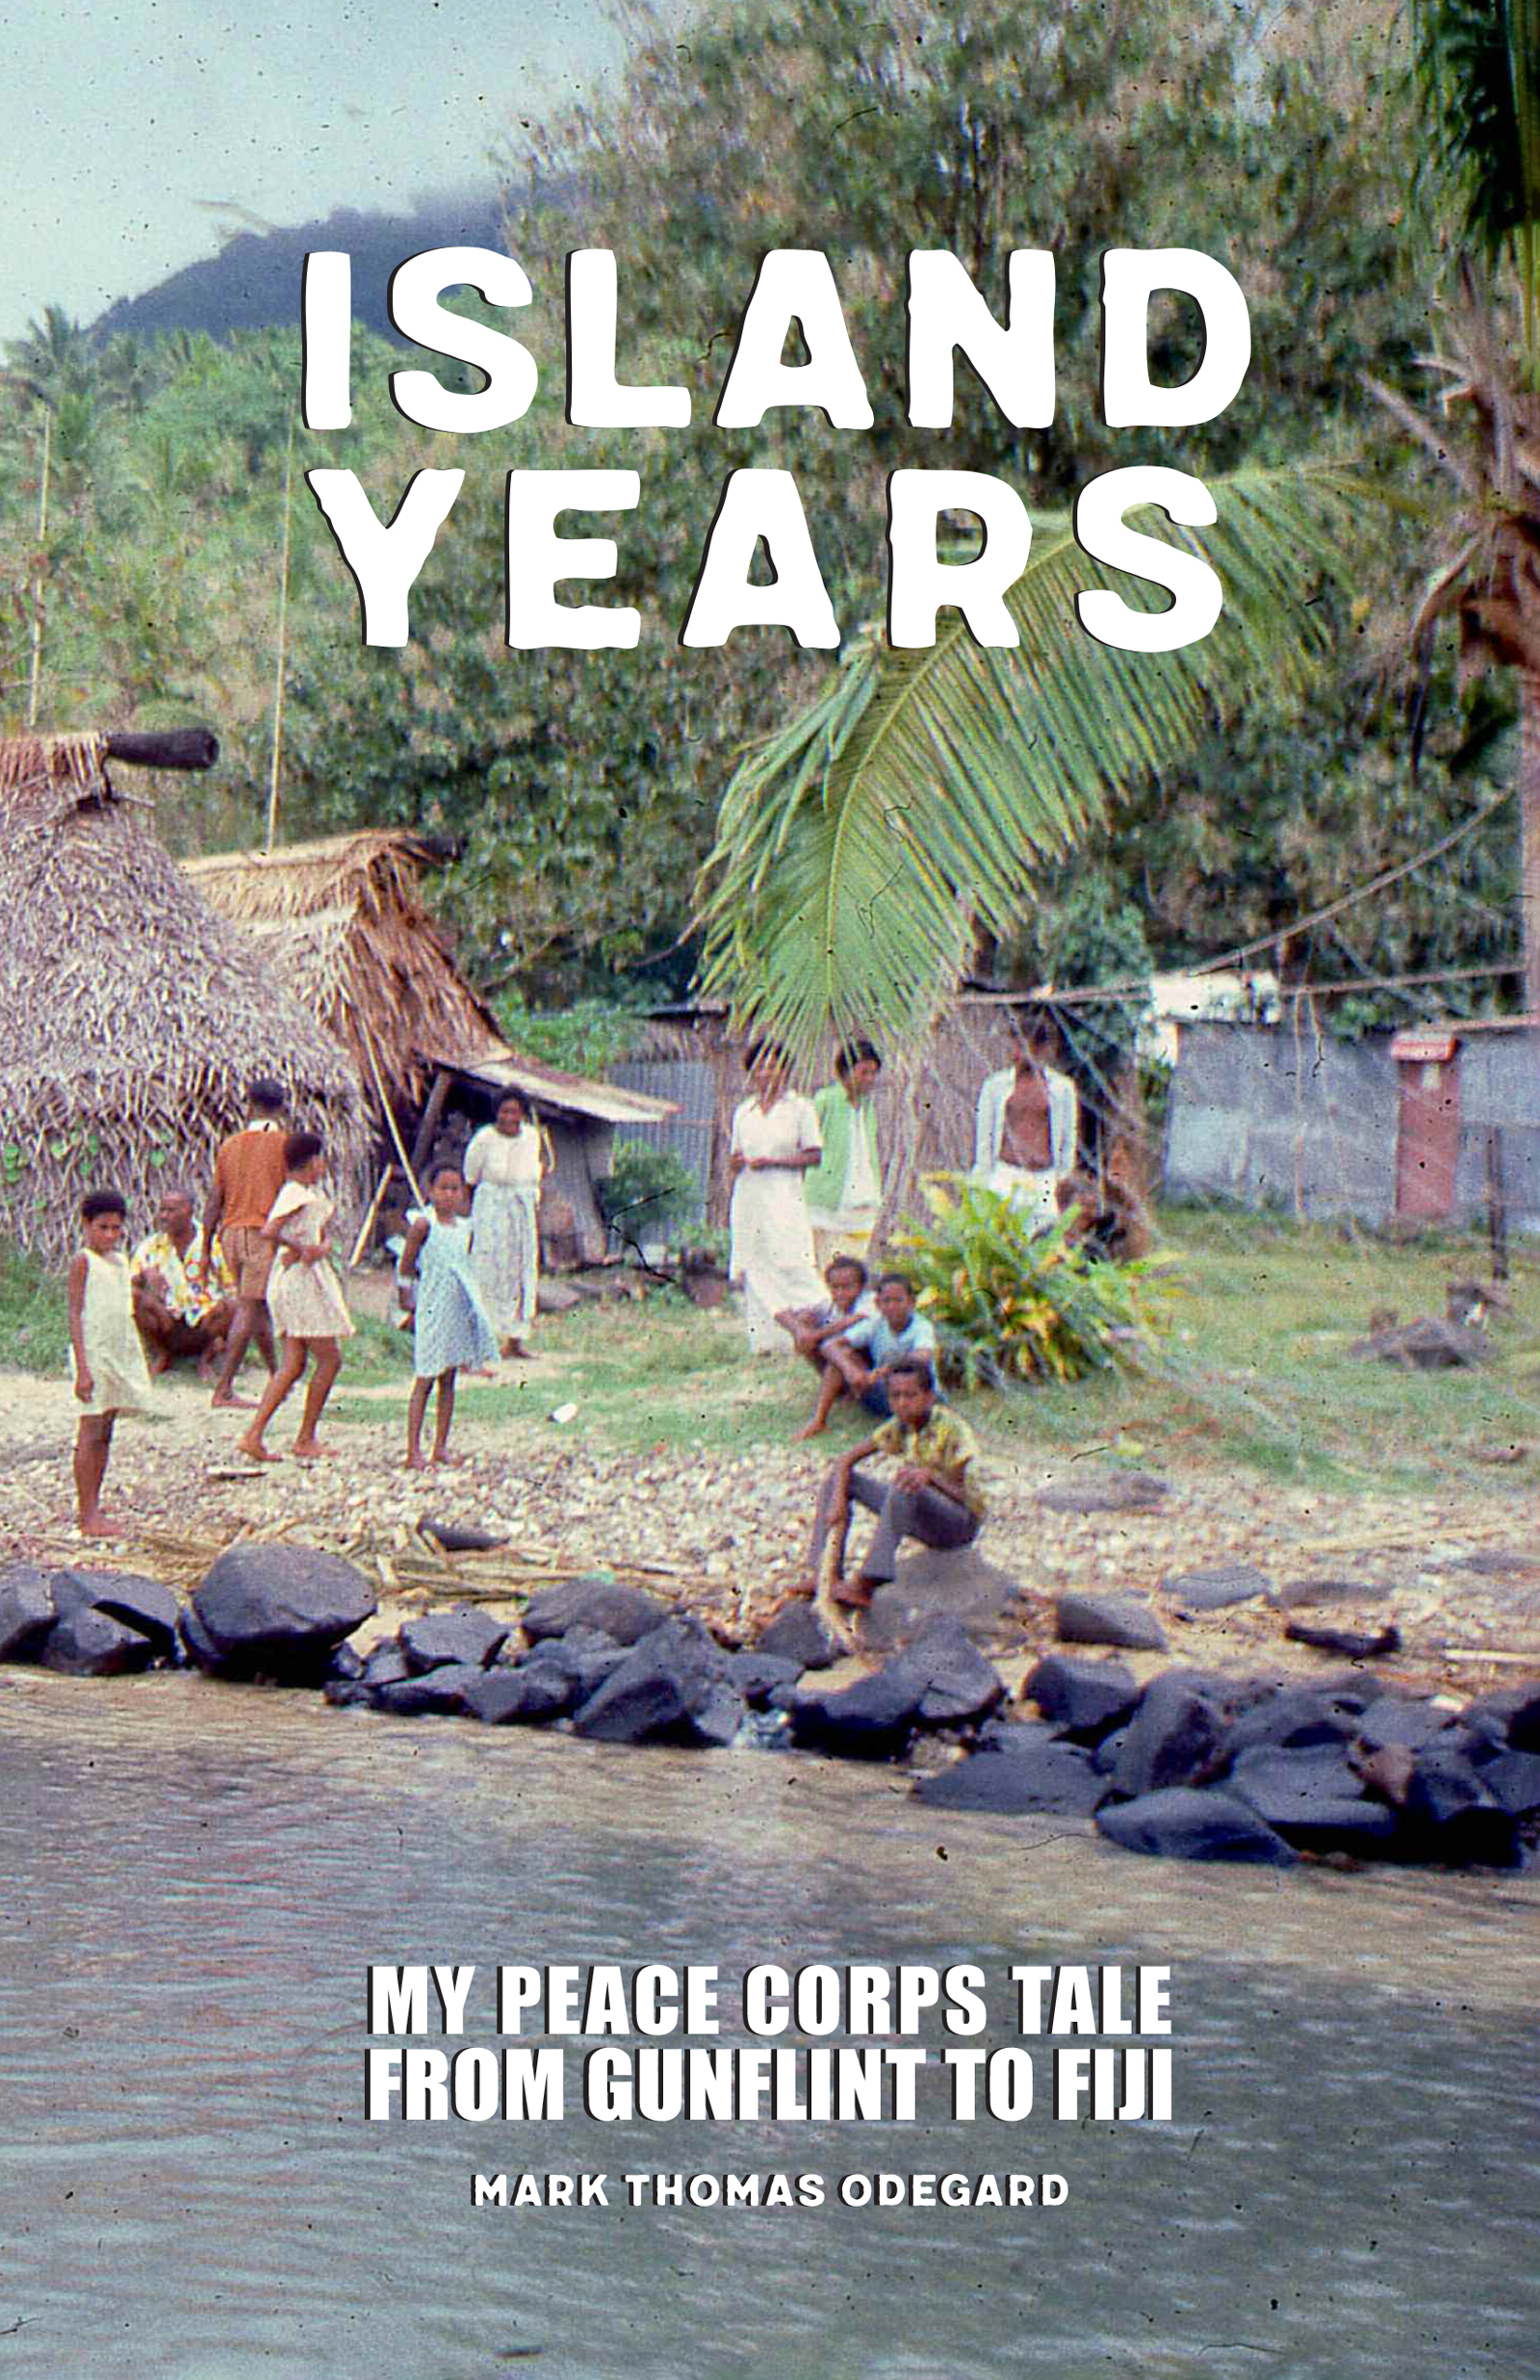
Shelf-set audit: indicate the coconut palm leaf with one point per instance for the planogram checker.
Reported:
(1477, 64)
(858, 847)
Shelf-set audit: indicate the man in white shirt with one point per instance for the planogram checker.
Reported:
(1027, 1131)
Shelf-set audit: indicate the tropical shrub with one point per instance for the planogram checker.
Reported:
(1010, 1303)
(648, 1191)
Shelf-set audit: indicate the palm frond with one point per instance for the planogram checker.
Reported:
(1477, 64)
(858, 847)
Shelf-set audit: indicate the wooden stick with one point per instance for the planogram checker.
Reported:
(367, 1224)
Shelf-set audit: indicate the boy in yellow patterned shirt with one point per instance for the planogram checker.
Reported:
(935, 1496)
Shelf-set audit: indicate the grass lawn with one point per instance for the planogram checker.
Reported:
(1254, 1373)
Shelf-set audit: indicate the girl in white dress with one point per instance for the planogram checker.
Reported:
(774, 1139)
(111, 1374)
(305, 1298)
(504, 1165)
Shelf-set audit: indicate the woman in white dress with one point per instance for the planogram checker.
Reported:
(775, 1140)
(504, 1165)
(305, 1299)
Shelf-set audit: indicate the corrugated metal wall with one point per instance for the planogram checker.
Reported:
(691, 1083)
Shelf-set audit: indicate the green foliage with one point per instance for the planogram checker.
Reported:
(1011, 1303)
(586, 1038)
(34, 1317)
(647, 1192)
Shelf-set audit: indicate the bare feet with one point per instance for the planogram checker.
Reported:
(516, 1350)
(232, 1404)
(309, 1450)
(854, 1593)
(254, 1450)
(450, 1462)
(811, 1430)
(415, 1462)
(97, 1527)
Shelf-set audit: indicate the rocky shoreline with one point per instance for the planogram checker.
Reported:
(1189, 1764)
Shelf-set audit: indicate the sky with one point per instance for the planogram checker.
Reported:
(136, 137)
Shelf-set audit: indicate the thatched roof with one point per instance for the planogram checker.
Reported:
(131, 1017)
(342, 922)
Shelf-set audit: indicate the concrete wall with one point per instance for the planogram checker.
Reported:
(1267, 1116)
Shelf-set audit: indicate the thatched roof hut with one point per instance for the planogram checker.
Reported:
(131, 1015)
(342, 922)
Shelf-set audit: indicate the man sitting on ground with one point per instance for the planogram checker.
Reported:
(934, 1495)
(184, 1297)
(858, 1359)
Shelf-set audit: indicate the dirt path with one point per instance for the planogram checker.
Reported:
(1459, 1573)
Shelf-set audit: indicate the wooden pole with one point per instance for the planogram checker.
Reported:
(1497, 1205)
(422, 1146)
(283, 646)
(35, 676)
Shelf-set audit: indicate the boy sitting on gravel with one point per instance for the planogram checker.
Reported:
(934, 1495)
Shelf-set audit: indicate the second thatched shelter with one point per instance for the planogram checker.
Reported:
(132, 1018)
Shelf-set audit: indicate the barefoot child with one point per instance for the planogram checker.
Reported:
(110, 1372)
(934, 1496)
(305, 1297)
(452, 1329)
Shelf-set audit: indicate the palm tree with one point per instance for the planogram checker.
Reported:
(1477, 65)
(860, 848)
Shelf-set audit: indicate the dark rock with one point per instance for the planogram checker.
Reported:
(872, 1719)
(347, 1694)
(1313, 1800)
(277, 1611)
(655, 1691)
(623, 1613)
(1513, 1781)
(89, 1644)
(442, 1638)
(1294, 1719)
(531, 1695)
(1351, 1646)
(957, 1584)
(384, 1665)
(1444, 1784)
(1299, 1594)
(1174, 1738)
(1085, 1699)
(1524, 1725)
(1215, 1590)
(798, 1635)
(346, 1666)
(437, 1693)
(1039, 1772)
(1393, 1718)
(756, 1673)
(957, 1682)
(1106, 1492)
(27, 1612)
(716, 1725)
(1109, 1752)
(1424, 1345)
(1182, 1823)
(456, 1539)
(197, 1645)
(584, 1657)
(142, 1603)
(1109, 1619)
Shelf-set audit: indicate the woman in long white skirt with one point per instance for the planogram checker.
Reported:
(775, 1140)
(504, 1165)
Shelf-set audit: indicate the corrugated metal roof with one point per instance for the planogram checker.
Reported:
(506, 1070)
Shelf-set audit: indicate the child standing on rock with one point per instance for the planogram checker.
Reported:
(111, 1376)
(451, 1330)
(305, 1298)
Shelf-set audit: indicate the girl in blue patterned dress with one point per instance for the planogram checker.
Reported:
(452, 1326)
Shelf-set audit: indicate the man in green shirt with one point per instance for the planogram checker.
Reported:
(935, 1496)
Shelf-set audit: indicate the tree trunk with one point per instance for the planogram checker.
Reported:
(1529, 835)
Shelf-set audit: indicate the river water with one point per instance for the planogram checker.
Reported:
(197, 1878)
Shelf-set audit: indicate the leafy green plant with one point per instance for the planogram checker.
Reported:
(647, 1192)
(1010, 1303)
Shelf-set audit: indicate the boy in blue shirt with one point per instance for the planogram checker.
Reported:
(858, 1362)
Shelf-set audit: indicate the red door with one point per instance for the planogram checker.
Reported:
(1427, 1140)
